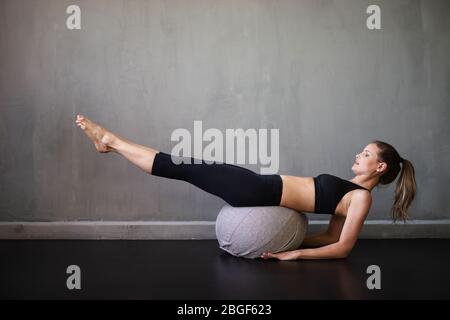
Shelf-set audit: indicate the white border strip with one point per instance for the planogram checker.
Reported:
(179, 230)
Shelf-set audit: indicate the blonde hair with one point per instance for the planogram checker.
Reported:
(406, 187)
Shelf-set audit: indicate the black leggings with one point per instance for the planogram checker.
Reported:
(238, 186)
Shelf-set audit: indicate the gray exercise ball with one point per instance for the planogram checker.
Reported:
(249, 231)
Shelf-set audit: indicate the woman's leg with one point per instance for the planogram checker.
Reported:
(236, 185)
(106, 141)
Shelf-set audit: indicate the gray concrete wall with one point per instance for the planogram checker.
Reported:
(144, 68)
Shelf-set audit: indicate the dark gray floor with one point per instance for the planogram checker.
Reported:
(410, 269)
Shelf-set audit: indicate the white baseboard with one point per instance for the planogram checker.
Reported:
(184, 230)
(175, 230)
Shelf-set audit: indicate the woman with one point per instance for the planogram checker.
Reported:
(348, 201)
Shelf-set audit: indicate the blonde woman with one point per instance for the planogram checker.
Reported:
(348, 201)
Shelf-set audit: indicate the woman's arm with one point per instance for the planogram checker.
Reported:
(328, 237)
(318, 240)
(357, 213)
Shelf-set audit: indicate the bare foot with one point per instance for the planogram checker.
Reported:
(101, 137)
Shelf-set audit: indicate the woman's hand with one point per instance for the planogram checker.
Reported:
(286, 255)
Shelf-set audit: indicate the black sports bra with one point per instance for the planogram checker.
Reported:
(329, 191)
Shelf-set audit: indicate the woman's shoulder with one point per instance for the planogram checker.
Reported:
(361, 195)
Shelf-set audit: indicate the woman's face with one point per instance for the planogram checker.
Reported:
(367, 162)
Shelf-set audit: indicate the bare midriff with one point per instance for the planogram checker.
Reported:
(298, 193)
